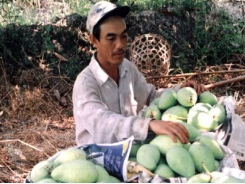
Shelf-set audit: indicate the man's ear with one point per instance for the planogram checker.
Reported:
(93, 40)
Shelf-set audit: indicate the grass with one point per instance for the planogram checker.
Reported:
(29, 12)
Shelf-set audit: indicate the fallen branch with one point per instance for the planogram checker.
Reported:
(48, 142)
(6, 165)
(216, 84)
(195, 74)
(60, 57)
(17, 140)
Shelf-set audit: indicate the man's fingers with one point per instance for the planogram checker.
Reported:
(173, 129)
(173, 136)
(183, 134)
(179, 131)
(183, 139)
(201, 88)
(184, 130)
(198, 87)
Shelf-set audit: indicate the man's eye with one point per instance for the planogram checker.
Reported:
(111, 38)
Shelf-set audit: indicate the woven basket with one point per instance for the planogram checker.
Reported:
(151, 53)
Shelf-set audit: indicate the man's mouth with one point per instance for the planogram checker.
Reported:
(119, 54)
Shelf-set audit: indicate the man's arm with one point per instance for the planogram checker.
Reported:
(95, 123)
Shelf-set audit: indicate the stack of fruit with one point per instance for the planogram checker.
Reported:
(202, 111)
(198, 160)
(70, 166)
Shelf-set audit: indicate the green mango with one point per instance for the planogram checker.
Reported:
(111, 179)
(192, 130)
(201, 120)
(70, 154)
(213, 145)
(155, 101)
(202, 154)
(133, 159)
(152, 111)
(148, 156)
(199, 178)
(180, 161)
(218, 177)
(175, 113)
(47, 180)
(167, 99)
(218, 113)
(162, 160)
(208, 97)
(217, 164)
(164, 142)
(75, 171)
(164, 171)
(187, 96)
(187, 146)
(102, 173)
(41, 170)
(134, 148)
(204, 107)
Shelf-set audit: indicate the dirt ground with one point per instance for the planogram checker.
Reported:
(38, 122)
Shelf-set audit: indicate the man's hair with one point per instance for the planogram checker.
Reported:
(96, 30)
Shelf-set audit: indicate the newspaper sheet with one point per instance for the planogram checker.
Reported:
(113, 157)
(232, 132)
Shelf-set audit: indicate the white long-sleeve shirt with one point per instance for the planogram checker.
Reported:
(105, 112)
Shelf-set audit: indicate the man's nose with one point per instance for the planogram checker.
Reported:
(120, 43)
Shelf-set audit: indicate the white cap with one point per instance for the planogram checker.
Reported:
(102, 9)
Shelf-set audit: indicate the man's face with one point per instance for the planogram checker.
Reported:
(113, 41)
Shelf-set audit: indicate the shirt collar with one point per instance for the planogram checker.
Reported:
(100, 75)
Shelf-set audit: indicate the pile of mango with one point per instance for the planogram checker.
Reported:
(202, 111)
(70, 166)
(198, 160)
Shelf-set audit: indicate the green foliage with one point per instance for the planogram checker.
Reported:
(46, 34)
(26, 12)
(78, 6)
(202, 35)
(215, 38)
(211, 36)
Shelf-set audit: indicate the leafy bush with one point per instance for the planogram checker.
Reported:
(215, 38)
(26, 12)
(203, 35)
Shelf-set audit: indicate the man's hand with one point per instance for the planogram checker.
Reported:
(173, 129)
(198, 87)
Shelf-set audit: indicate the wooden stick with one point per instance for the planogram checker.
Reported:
(62, 58)
(8, 167)
(18, 140)
(216, 84)
(194, 74)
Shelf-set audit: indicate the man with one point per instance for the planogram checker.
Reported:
(110, 92)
